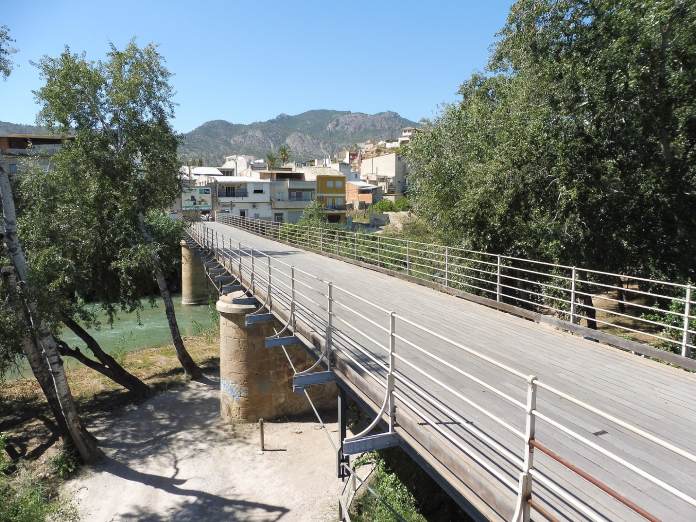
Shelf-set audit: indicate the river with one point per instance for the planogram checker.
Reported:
(142, 329)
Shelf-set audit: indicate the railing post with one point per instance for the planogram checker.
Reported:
(355, 246)
(379, 255)
(292, 297)
(253, 271)
(446, 266)
(408, 258)
(269, 294)
(329, 322)
(239, 255)
(390, 376)
(686, 337)
(528, 462)
(321, 239)
(572, 296)
(498, 286)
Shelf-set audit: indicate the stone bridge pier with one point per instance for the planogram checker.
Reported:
(194, 283)
(255, 381)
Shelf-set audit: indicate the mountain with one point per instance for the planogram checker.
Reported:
(308, 135)
(312, 134)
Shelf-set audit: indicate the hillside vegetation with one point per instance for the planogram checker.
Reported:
(310, 134)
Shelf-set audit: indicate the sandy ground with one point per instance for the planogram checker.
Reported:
(171, 458)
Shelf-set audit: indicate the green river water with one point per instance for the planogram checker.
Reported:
(138, 330)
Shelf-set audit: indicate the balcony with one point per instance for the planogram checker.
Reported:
(233, 193)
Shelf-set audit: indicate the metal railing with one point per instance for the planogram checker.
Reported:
(382, 346)
(655, 312)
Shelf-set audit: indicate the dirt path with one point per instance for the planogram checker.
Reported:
(172, 459)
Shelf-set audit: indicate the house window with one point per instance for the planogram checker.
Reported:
(278, 217)
(258, 191)
(330, 184)
(339, 183)
(12, 168)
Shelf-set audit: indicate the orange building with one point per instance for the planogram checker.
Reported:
(360, 194)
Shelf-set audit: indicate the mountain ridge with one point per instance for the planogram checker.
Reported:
(310, 134)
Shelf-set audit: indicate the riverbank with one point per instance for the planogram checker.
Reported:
(26, 421)
(135, 331)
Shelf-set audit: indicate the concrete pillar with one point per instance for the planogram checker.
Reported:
(255, 381)
(194, 283)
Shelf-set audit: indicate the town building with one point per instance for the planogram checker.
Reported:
(14, 147)
(236, 164)
(361, 194)
(330, 190)
(243, 196)
(388, 171)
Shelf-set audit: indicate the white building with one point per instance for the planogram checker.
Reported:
(243, 196)
(388, 171)
(235, 164)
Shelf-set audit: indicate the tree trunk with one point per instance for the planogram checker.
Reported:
(33, 355)
(590, 312)
(187, 363)
(621, 294)
(109, 366)
(43, 344)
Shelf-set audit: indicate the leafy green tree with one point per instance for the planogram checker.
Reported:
(578, 145)
(5, 51)
(313, 215)
(119, 111)
(284, 154)
(74, 265)
(27, 326)
(271, 160)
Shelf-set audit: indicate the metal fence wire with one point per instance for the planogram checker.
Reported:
(657, 312)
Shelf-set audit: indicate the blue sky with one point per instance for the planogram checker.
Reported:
(247, 61)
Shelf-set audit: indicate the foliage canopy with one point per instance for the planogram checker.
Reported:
(577, 145)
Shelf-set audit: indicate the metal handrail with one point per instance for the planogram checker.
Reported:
(245, 265)
(563, 284)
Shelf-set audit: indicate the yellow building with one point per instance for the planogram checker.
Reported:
(331, 193)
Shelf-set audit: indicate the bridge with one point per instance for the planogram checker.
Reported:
(516, 418)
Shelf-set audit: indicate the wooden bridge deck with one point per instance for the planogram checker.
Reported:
(653, 396)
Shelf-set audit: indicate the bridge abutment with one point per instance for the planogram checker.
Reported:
(194, 285)
(255, 381)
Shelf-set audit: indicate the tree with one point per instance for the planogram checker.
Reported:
(25, 325)
(271, 160)
(578, 145)
(284, 154)
(39, 344)
(75, 266)
(119, 111)
(5, 52)
(313, 215)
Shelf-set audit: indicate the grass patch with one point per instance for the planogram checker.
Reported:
(28, 496)
(394, 495)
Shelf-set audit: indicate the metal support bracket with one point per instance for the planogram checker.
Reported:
(302, 380)
(272, 342)
(224, 279)
(244, 300)
(370, 443)
(258, 318)
(232, 287)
